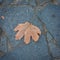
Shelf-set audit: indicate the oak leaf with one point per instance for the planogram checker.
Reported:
(27, 30)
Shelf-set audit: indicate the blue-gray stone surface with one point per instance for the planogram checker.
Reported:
(46, 18)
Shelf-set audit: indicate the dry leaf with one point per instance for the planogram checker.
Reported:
(27, 30)
(3, 17)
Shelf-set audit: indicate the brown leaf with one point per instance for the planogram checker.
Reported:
(3, 17)
(27, 30)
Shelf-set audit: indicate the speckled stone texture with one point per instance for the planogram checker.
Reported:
(46, 17)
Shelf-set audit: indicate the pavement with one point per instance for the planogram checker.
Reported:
(45, 15)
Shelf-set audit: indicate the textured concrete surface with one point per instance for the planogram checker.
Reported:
(46, 17)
